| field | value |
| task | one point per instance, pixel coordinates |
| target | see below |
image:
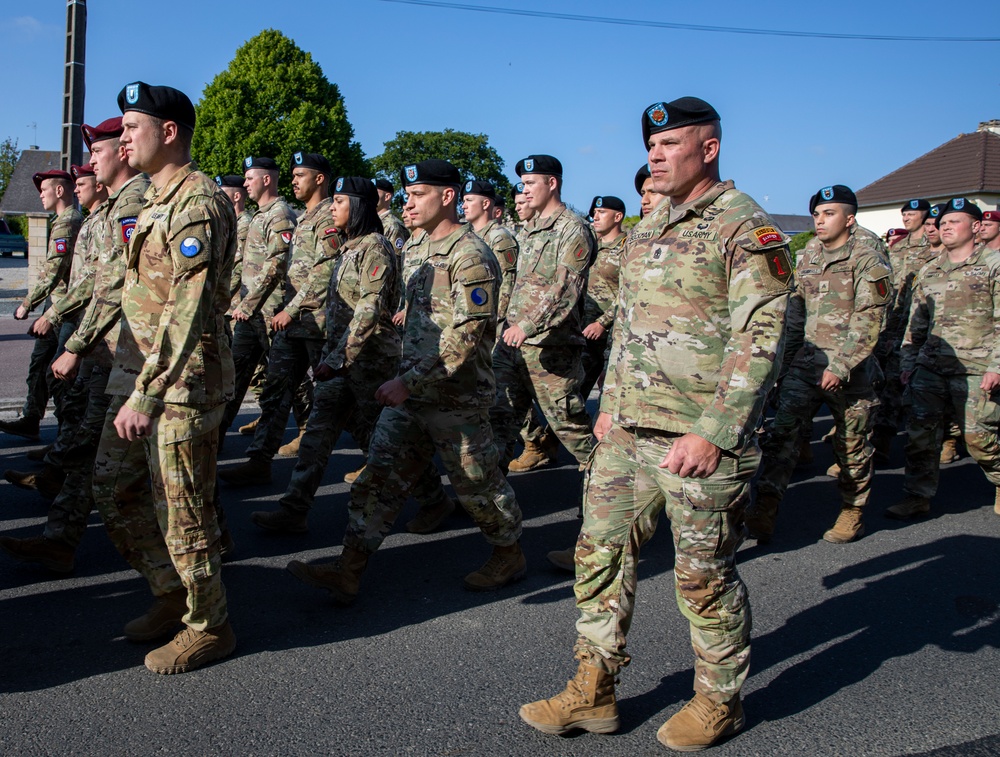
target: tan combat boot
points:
(47, 481)
(761, 517)
(281, 520)
(430, 517)
(350, 478)
(833, 471)
(587, 703)
(342, 577)
(292, 448)
(537, 455)
(949, 451)
(849, 527)
(191, 649)
(55, 555)
(701, 723)
(38, 455)
(564, 559)
(996, 502)
(254, 472)
(160, 619)
(26, 428)
(250, 428)
(506, 565)
(910, 506)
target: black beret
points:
(482, 188)
(916, 205)
(935, 210)
(517, 189)
(640, 177)
(684, 111)
(77, 171)
(542, 164)
(606, 201)
(109, 129)
(435, 172)
(268, 164)
(160, 102)
(312, 160)
(356, 186)
(961, 205)
(230, 180)
(38, 178)
(837, 193)
(384, 185)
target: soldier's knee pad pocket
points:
(706, 495)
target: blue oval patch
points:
(190, 247)
(479, 296)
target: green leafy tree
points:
(9, 155)
(471, 154)
(798, 242)
(274, 100)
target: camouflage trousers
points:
(934, 398)
(68, 513)
(346, 402)
(888, 416)
(852, 408)
(625, 491)
(402, 445)
(288, 365)
(161, 491)
(74, 396)
(250, 346)
(551, 376)
(594, 360)
(42, 384)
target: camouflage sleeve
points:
(279, 235)
(76, 299)
(473, 297)
(554, 305)
(236, 280)
(994, 366)
(58, 258)
(505, 248)
(312, 294)
(760, 280)
(191, 301)
(872, 294)
(916, 330)
(608, 390)
(376, 274)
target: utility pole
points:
(74, 92)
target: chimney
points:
(990, 126)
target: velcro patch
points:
(62, 245)
(377, 272)
(479, 296)
(128, 226)
(510, 256)
(286, 237)
(190, 246)
(767, 235)
(775, 269)
(399, 243)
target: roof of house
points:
(21, 196)
(968, 164)
(793, 224)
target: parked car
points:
(10, 242)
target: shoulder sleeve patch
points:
(479, 286)
(191, 239)
(879, 279)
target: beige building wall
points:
(38, 244)
(881, 218)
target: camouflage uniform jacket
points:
(907, 257)
(174, 346)
(602, 283)
(310, 268)
(698, 330)
(54, 276)
(362, 300)
(451, 306)
(236, 280)
(81, 273)
(551, 278)
(265, 259)
(394, 231)
(97, 332)
(505, 248)
(954, 326)
(835, 315)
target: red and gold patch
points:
(767, 235)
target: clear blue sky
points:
(797, 113)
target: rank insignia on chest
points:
(190, 247)
(658, 253)
(824, 287)
(128, 226)
(479, 296)
(61, 246)
(286, 237)
(767, 235)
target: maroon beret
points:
(109, 129)
(991, 215)
(84, 170)
(38, 178)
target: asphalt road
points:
(884, 647)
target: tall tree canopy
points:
(273, 100)
(471, 154)
(9, 155)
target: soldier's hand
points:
(64, 367)
(828, 382)
(323, 372)
(990, 382)
(239, 315)
(132, 425)
(392, 393)
(904, 377)
(692, 457)
(281, 321)
(40, 327)
(398, 319)
(514, 336)
(21, 313)
(602, 425)
(594, 331)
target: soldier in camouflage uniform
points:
(989, 232)
(704, 285)
(263, 268)
(602, 287)
(394, 229)
(232, 186)
(833, 324)
(301, 320)
(478, 201)
(649, 198)
(173, 374)
(951, 358)
(89, 356)
(441, 398)
(539, 356)
(56, 191)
